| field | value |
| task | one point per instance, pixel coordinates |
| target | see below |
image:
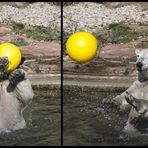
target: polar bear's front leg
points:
(140, 105)
(20, 84)
(121, 102)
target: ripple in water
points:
(43, 124)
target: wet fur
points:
(135, 98)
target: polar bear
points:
(15, 94)
(135, 98)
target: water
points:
(43, 124)
(86, 125)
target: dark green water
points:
(44, 121)
(85, 125)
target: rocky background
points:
(90, 16)
(120, 28)
(35, 29)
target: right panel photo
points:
(105, 73)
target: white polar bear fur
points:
(139, 90)
(12, 104)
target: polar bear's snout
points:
(139, 65)
(142, 61)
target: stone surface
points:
(33, 14)
(45, 57)
(89, 16)
(41, 57)
(47, 49)
(4, 30)
(113, 59)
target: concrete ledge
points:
(54, 80)
(45, 79)
(97, 81)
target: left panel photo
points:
(30, 72)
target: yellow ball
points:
(13, 53)
(81, 47)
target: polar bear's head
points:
(142, 63)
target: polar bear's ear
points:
(137, 51)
